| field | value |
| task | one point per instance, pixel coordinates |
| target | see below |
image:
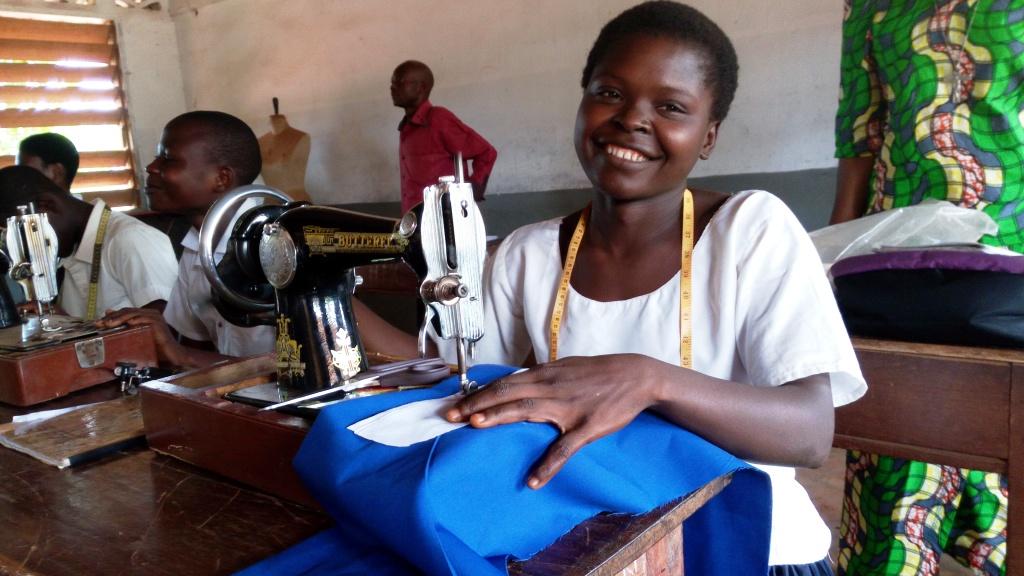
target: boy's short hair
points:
(683, 23)
(52, 148)
(20, 185)
(229, 141)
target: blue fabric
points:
(458, 504)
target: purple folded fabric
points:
(929, 259)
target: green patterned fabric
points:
(931, 136)
(899, 515)
(934, 91)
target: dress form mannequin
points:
(285, 153)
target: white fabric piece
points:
(763, 314)
(190, 309)
(409, 424)
(137, 266)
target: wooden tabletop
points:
(135, 512)
(956, 405)
(139, 512)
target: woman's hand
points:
(585, 398)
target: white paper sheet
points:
(23, 422)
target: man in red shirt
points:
(431, 136)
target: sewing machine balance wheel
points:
(217, 218)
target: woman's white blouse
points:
(763, 313)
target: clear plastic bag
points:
(931, 223)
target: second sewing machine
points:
(44, 355)
(293, 265)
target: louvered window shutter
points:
(58, 76)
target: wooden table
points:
(138, 512)
(954, 405)
(134, 512)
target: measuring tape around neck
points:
(685, 283)
(94, 269)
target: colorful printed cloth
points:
(933, 90)
(899, 515)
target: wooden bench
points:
(955, 405)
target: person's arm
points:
(588, 398)
(379, 336)
(789, 338)
(851, 188)
(142, 260)
(479, 189)
(860, 114)
(169, 351)
(505, 339)
(458, 137)
(158, 305)
(483, 163)
(178, 333)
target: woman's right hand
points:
(584, 398)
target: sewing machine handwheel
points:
(209, 236)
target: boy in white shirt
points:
(53, 155)
(202, 155)
(136, 263)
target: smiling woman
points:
(63, 76)
(645, 118)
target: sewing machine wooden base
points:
(35, 376)
(186, 416)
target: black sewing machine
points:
(292, 265)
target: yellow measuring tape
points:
(685, 283)
(94, 269)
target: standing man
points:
(53, 155)
(431, 136)
(930, 107)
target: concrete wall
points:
(808, 193)
(151, 67)
(510, 68)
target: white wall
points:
(509, 68)
(150, 67)
(152, 76)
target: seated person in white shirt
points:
(202, 155)
(53, 155)
(57, 158)
(137, 267)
